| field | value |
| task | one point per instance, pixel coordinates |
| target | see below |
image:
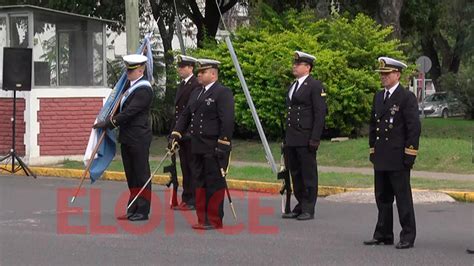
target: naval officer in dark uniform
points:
(188, 84)
(209, 116)
(304, 126)
(393, 139)
(135, 134)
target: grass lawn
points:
(446, 145)
(347, 179)
(452, 128)
(256, 173)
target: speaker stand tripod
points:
(12, 154)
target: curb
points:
(254, 186)
(460, 195)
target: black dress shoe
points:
(184, 207)
(470, 251)
(138, 217)
(178, 207)
(305, 216)
(404, 245)
(202, 227)
(206, 226)
(125, 216)
(217, 226)
(375, 242)
(290, 215)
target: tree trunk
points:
(389, 15)
(458, 50)
(210, 24)
(166, 28)
(427, 45)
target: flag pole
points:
(94, 152)
(248, 97)
(89, 163)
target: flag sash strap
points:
(141, 83)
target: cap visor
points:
(387, 70)
(204, 68)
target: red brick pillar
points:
(65, 124)
(6, 113)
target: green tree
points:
(207, 24)
(442, 29)
(346, 55)
(385, 12)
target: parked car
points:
(441, 104)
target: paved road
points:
(31, 231)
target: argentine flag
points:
(106, 152)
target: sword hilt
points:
(174, 147)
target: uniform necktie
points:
(295, 88)
(387, 95)
(200, 93)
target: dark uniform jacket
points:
(182, 97)
(394, 130)
(134, 118)
(306, 113)
(209, 119)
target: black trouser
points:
(137, 171)
(390, 184)
(210, 189)
(304, 174)
(185, 158)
